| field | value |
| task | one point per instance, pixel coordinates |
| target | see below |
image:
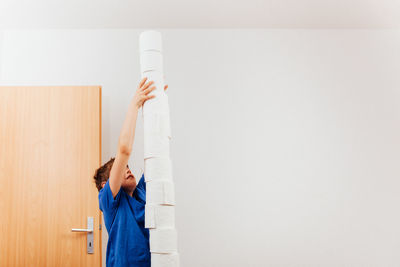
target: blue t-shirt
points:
(128, 240)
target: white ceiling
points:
(199, 14)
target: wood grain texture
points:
(50, 146)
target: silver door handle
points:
(81, 230)
(89, 231)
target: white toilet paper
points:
(157, 78)
(159, 216)
(150, 40)
(157, 123)
(160, 192)
(159, 104)
(151, 60)
(156, 146)
(160, 195)
(165, 260)
(157, 169)
(163, 240)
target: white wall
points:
(1, 49)
(285, 142)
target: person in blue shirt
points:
(121, 199)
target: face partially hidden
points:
(129, 182)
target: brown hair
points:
(103, 173)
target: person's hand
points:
(142, 92)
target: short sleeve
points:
(140, 190)
(142, 184)
(107, 203)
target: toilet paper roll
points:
(163, 240)
(160, 192)
(165, 260)
(156, 146)
(159, 216)
(158, 104)
(157, 169)
(156, 123)
(151, 60)
(158, 79)
(150, 40)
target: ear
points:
(103, 184)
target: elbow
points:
(124, 150)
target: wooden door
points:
(49, 149)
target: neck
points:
(129, 191)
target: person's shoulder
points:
(105, 188)
(107, 199)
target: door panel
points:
(50, 146)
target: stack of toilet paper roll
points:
(160, 195)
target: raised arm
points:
(127, 135)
